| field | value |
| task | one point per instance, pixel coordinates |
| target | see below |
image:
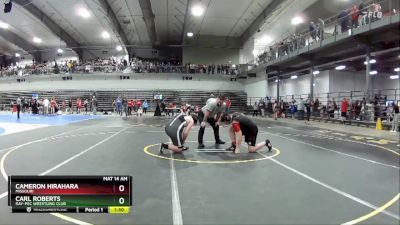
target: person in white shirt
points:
(46, 104)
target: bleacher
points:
(106, 97)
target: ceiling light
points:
(189, 34)
(371, 61)
(60, 50)
(119, 48)
(293, 77)
(37, 40)
(297, 20)
(276, 81)
(105, 35)
(315, 72)
(197, 10)
(17, 55)
(373, 72)
(4, 25)
(255, 52)
(397, 69)
(313, 84)
(266, 39)
(341, 67)
(83, 12)
(394, 77)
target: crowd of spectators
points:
(345, 109)
(49, 107)
(356, 16)
(110, 65)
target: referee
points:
(211, 113)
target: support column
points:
(311, 97)
(367, 75)
(277, 88)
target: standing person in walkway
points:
(300, 109)
(125, 106)
(53, 105)
(145, 106)
(139, 106)
(313, 31)
(119, 106)
(321, 29)
(228, 104)
(307, 106)
(211, 113)
(276, 109)
(396, 118)
(19, 102)
(70, 108)
(343, 109)
(78, 106)
(86, 105)
(255, 109)
(94, 105)
(46, 104)
(343, 20)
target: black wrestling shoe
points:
(201, 145)
(219, 142)
(268, 144)
(184, 148)
(162, 147)
(231, 149)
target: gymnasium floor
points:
(313, 176)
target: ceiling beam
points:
(148, 17)
(22, 43)
(115, 23)
(260, 20)
(51, 25)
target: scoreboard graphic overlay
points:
(70, 194)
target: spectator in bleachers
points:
(321, 28)
(343, 20)
(354, 16)
(313, 31)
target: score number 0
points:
(121, 200)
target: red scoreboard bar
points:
(76, 194)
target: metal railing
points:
(371, 110)
(93, 68)
(328, 28)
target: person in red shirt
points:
(134, 105)
(228, 104)
(53, 105)
(138, 103)
(130, 107)
(343, 109)
(243, 126)
(78, 106)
